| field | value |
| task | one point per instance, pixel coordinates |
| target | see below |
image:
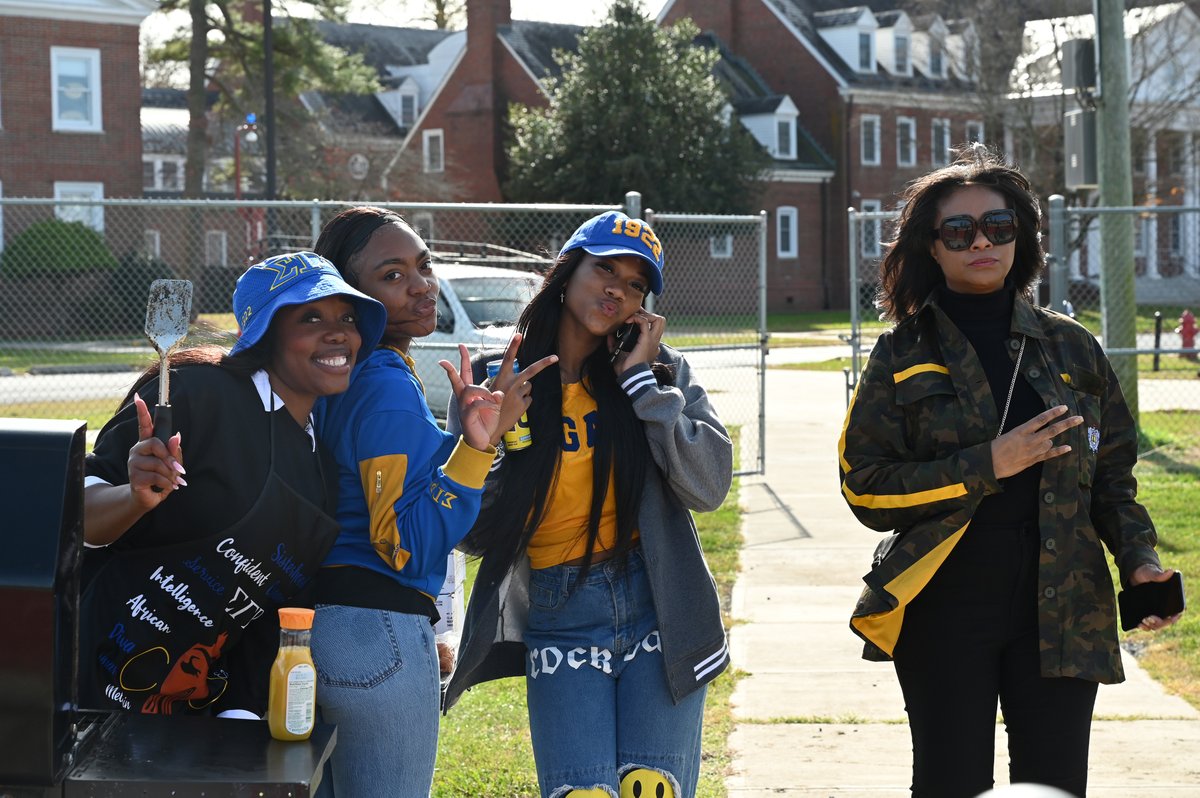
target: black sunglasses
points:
(958, 232)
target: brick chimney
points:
(479, 109)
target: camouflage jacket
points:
(915, 459)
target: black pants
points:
(969, 638)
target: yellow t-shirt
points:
(562, 535)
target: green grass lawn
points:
(1169, 486)
(484, 747)
(1090, 317)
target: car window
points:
(445, 316)
(491, 301)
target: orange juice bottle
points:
(292, 705)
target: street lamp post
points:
(250, 130)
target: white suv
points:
(477, 306)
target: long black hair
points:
(345, 235)
(527, 479)
(909, 273)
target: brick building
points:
(884, 93)
(70, 94)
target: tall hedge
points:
(54, 247)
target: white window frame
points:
(906, 158)
(785, 148)
(939, 148)
(903, 67)
(422, 222)
(869, 229)
(978, 131)
(427, 139)
(152, 243)
(865, 37)
(720, 247)
(937, 56)
(786, 218)
(416, 108)
(872, 158)
(1139, 236)
(159, 161)
(92, 57)
(92, 216)
(216, 242)
(1174, 233)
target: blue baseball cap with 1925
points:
(298, 278)
(614, 233)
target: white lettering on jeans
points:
(547, 660)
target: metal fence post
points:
(1058, 253)
(764, 338)
(632, 200)
(314, 221)
(855, 297)
(633, 204)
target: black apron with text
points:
(157, 623)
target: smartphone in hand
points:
(1163, 599)
(627, 337)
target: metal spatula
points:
(168, 311)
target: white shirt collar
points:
(262, 382)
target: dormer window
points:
(866, 54)
(937, 62)
(408, 107)
(785, 141)
(902, 65)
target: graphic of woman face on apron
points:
(157, 621)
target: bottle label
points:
(301, 699)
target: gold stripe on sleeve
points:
(891, 501)
(920, 368)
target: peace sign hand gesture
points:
(487, 412)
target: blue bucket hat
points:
(295, 279)
(614, 233)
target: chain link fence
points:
(74, 278)
(1143, 316)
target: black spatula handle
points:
(162, 428)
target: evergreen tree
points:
(637, 108)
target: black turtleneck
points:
(986, 321)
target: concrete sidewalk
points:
(813, 718)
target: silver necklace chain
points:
(1011, 386)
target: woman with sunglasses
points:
(992, 437)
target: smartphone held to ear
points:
(627, 337)
(1162, 599)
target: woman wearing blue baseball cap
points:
(593, 584)
(183, 574)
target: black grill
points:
(48, 747)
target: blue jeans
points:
(378, 680)
(600, 711)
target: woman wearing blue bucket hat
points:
(183, 574)
(593, 585)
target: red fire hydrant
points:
(1187, 332)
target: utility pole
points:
(1116, 190)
